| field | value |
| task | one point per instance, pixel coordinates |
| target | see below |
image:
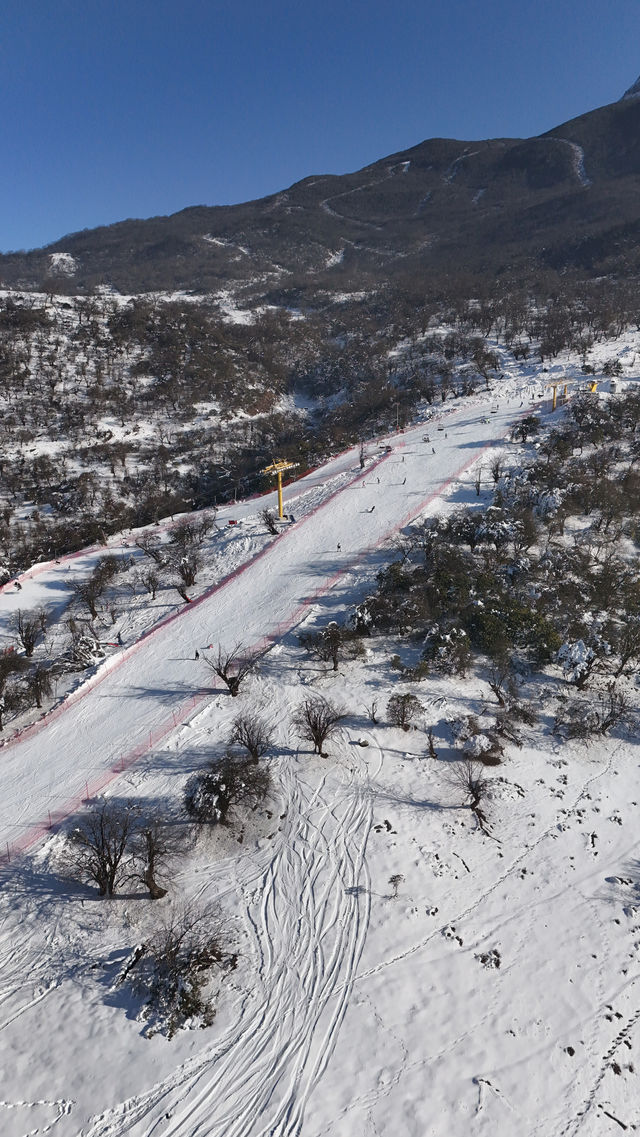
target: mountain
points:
(633, 91)
(568, 199)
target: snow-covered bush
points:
(447, 651)
(580, 719)
(84, 651)
(402, 709)
(578, 659)
(173, 971)
(231, 781)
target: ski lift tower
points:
(278, 468)
(564, 383)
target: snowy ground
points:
(495, 994)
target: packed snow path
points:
(307, 910)
(139, 695)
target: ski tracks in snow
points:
(307, 913)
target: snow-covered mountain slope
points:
(398, 970)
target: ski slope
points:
(496, 994)
(154, 682)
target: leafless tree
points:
(30, 626)
(100, 843)
(372, 711)
(469, 776)
(431, 744)
(496, 467)
(332, 643)
(40, 683)
(232, 665)
(155, 552)
(88, 592)
(253, 733)
(156, 844)
(10, 664)
(501, 680)
(269, 518)
(151, 581)
(316, 719)
(188, 567)
(395, 881)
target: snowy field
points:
(399, 972)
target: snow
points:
(578, 162)
(334, 258)
(63, 263)
(398, 971)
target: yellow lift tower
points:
(554, 387)
(278, 468)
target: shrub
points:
(447, 651)
(173, 970)
(210, 795)
(403, 709)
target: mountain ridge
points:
(491, 205)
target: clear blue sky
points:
(130, 108)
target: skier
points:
(339, 546)
(120, 638)
(18, 586)
(433, 449)
(404, 482)
(197, 655)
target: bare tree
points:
(470, 778)
(40, 683)
(188, 567)
(10, 664)
(156, 844)
(30, 626)
(332, 643)
(433, 753)
(151, 581)
(269, 518)
(146, 545)
(232, 665)
(88, 592)
(395, 881)
(100, 843)
(501, 680)
(496, 467)
(253, 733)
(316, 719)
(372, 711)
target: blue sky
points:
(131, 108)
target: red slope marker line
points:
(116, 661)
(163, 526)
(98, 785)
(39, 831)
